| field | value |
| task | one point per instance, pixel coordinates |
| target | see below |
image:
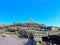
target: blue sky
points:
(41, 11)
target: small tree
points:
(23, 33)
(11, 30)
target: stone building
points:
(2, 28)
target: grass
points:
(9, 33)
(39, 43)
(39, 32)
(57, 34)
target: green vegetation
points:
(1, 32)
(10, 33)
(39, 43)
(22, 33)
(58, 34)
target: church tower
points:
(31, 20)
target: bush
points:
(39, 41)
(23, 33)
(11, 30)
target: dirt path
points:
(12, 40)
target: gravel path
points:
(12, 40)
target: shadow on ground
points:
(30, 42)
